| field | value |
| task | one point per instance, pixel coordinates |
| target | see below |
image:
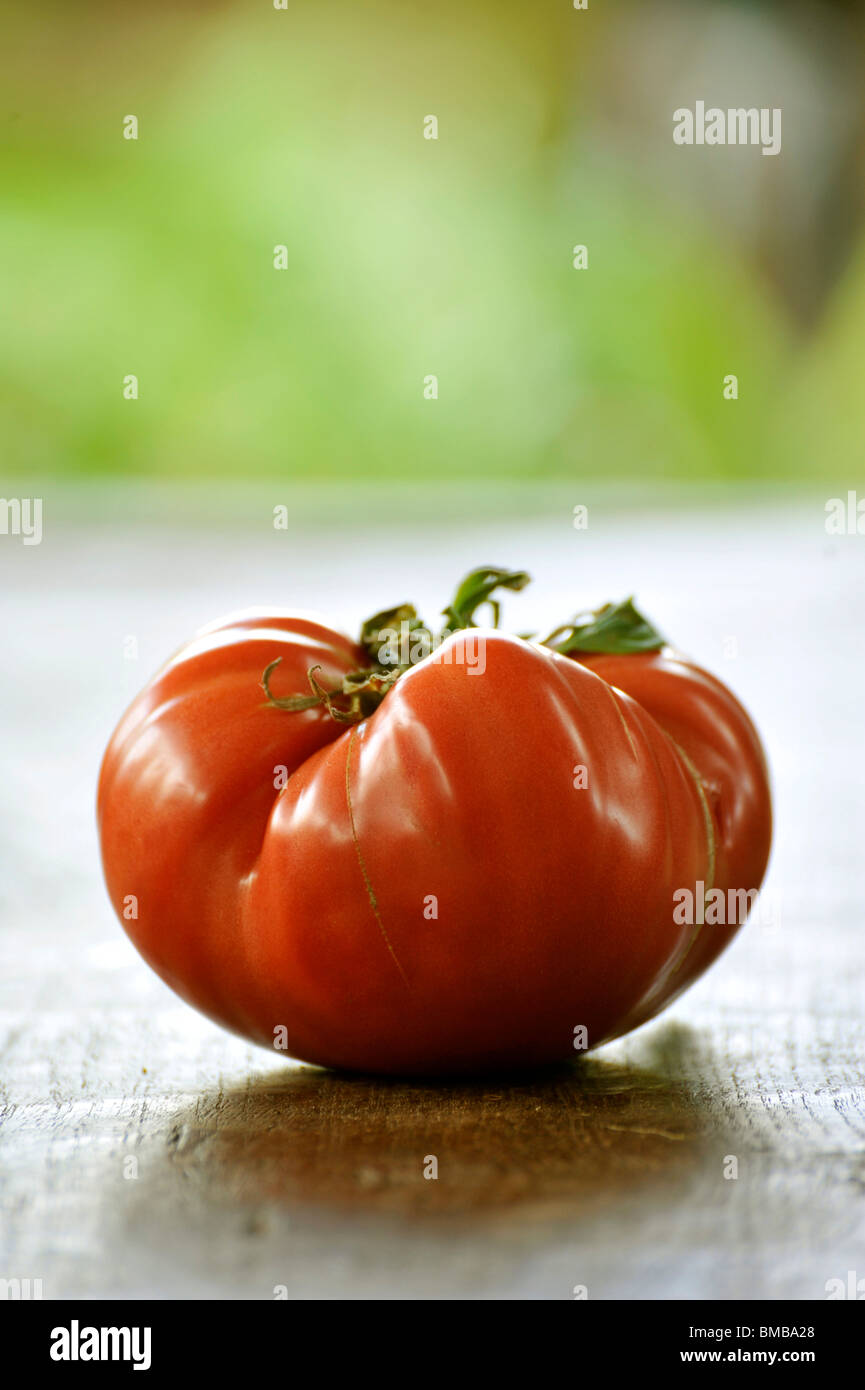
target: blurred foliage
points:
(406, 257)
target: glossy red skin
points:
(300, 916)
(716, 734)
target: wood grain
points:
(251, 1175)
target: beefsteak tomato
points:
(442, 856)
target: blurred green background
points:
(408, 257)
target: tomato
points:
(461, 861)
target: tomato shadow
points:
(562, 1140)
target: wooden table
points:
(145, 1153)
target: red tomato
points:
(433, 889)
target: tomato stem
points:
(361, 692)
(396, 639)
(477, 589)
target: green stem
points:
(477, 589)
(395, 639)
(359, 695)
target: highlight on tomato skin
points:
(435, 849)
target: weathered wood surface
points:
(250, 1174)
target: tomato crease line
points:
(621, 715)
(373, 902)
(710, 846)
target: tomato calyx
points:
(396, 639)
(359, 695)
(398, 632)
(614, 628)
(477, 589)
